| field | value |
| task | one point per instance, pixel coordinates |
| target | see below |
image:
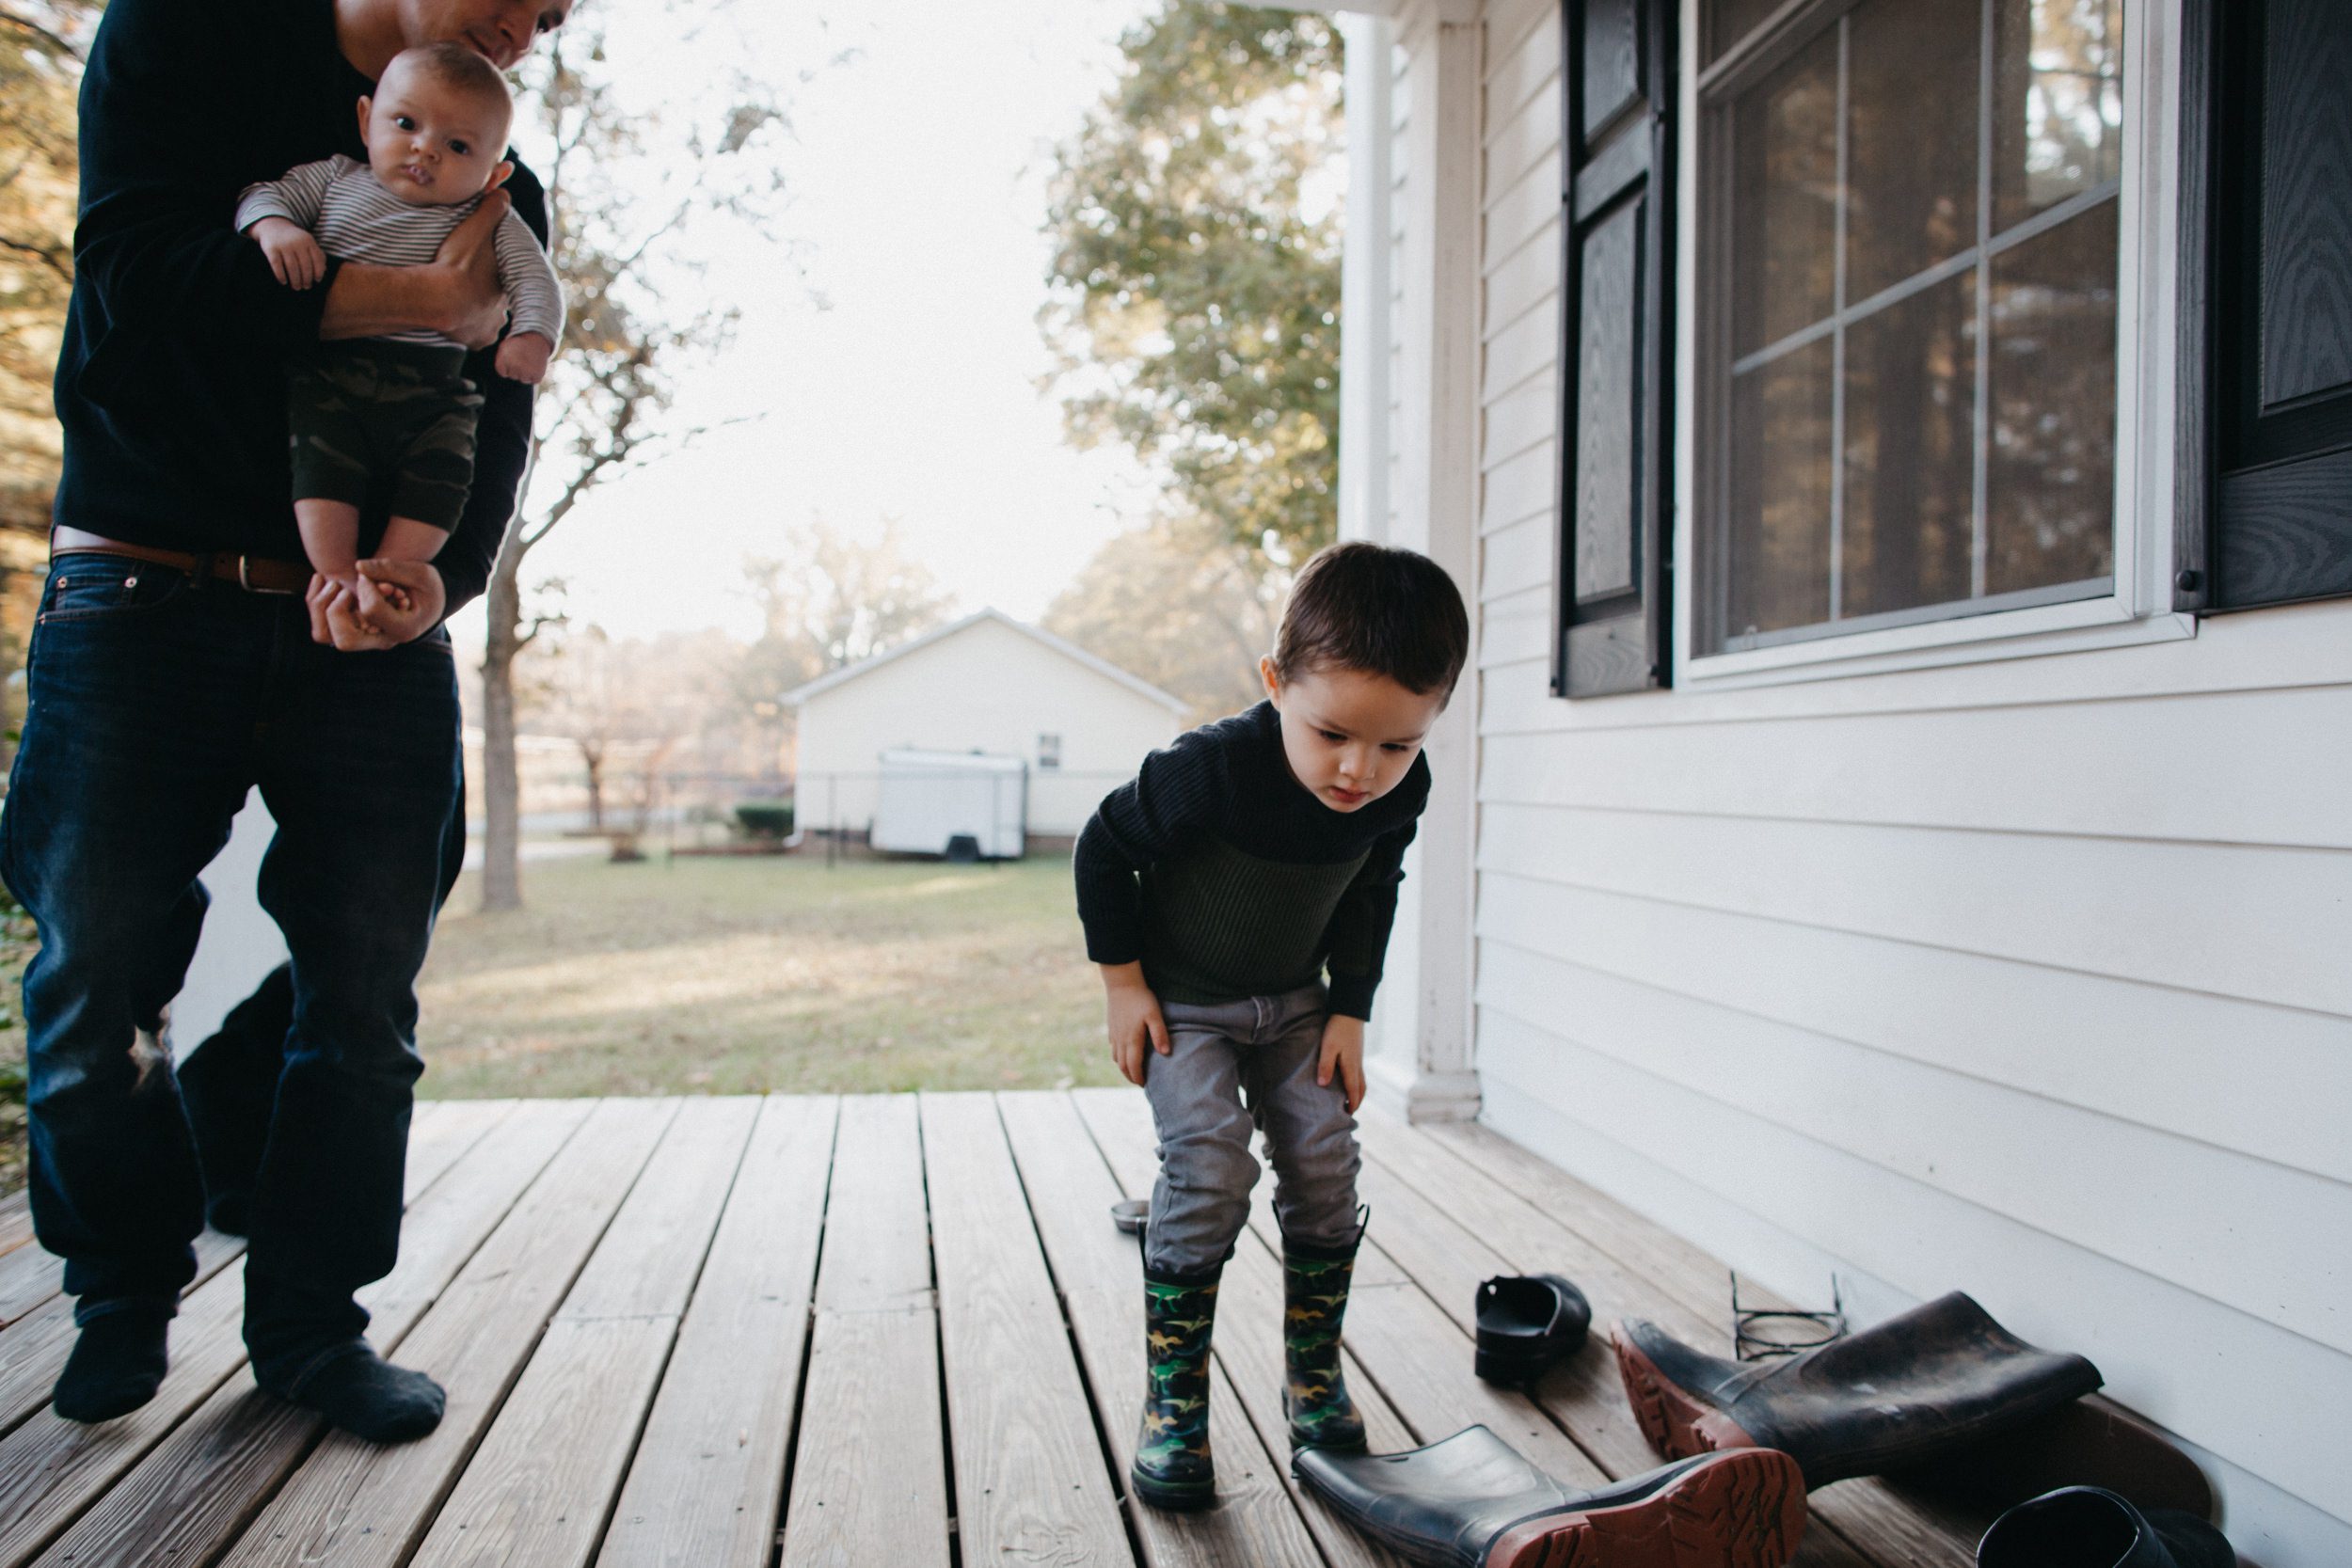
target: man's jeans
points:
(155, 702)
(1228, 1067)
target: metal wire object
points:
(1758, 1333)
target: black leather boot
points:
(1902, 1393)
(1473, 1501)
(1173, 1467)
(2089, 1526)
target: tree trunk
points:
(592, 758)
(502, 790)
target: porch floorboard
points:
(813, 1331)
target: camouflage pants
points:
(384, 418)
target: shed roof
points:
(849, 672)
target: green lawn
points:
(734, 976)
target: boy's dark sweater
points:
(1228, 879)
(171, 382)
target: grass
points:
(746, 974)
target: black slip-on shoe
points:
(1473, 1501)
(2090, 1526)
(1527, 1324)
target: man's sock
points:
(117, 1364)
(363, 1394)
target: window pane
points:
(1729, 20)
(1778, 555)
(2057, 102)
(2050, 490)
(1784, 225)
(1912, 97)
(1911, 396)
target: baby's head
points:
(437, 125)
(1371, 645)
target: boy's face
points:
(1350, 735)
(430, 145)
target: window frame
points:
(2139, 608)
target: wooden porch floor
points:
(891, 1330)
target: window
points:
(1048, 754)
(1908, 314)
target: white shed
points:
(987, 683)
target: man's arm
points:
(502, 441)
(157, 194)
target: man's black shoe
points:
(118, 1362)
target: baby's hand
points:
(376, 594)
(293, 255)
(524, 357)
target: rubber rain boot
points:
(1173, 1468)
(1473, 1501)
(1315, 1284)
(1901, 1393)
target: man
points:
(176, 663)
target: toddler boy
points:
(1216, 889)
(400, 404)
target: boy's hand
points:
(294, 254)
(524, 357)
(1344, 1050)
(1132, 1014)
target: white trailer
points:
(965, 806)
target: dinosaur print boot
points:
(1314, 1295)
(1172, 1467)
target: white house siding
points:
(2030, 978)
(989, 687)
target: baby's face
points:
(430, 145)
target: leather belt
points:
(255, 573)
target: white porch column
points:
(1421, 1053)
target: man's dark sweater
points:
(1228, 879)
(171, 385)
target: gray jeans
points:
(1231, 1066)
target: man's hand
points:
(391, 602)
(294, 252)
(1132, 1014)
(469, 259)
(524, 357)
(1343, 1050)
(401, 599)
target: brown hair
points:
(1385, 611)
(460, 70)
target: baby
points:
(399, 404)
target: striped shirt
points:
(344, 206)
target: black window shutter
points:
(2280, 303)
(1617, 348)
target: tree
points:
(1180, 603)
(627, 185)
(42, 45)
(831, 599)
(1196, 277)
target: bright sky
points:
(918, 167)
